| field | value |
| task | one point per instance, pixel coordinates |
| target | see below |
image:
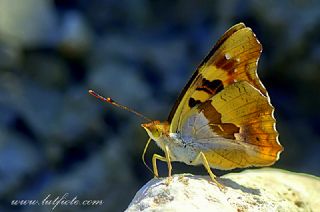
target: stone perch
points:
(251, 190)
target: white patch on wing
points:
(196, 131)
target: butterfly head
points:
(156, 129)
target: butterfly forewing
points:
(189, 88)
(233, 58)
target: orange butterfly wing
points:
(248, 116)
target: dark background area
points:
(56, 139)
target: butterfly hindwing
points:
(234, 128)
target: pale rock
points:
(252, 190)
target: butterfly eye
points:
(156, 133)
(152, 129)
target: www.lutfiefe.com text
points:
(57, 201)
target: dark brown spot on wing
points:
(220, 61)
(205, 89)
(210, 112)
(225, 63)
(226, 130)
(229, 65)
(192, 102)
(211, 87)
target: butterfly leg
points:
(164, 159)
(205, 163)
(168, 160)
(156, 157)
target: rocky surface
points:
(251, 190)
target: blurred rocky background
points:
(56, 139)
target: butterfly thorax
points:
(179, 150)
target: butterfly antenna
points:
(111, 101)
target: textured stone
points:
(253, 190)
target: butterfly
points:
(223, 118)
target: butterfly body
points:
(179, 149)
(223, 118)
